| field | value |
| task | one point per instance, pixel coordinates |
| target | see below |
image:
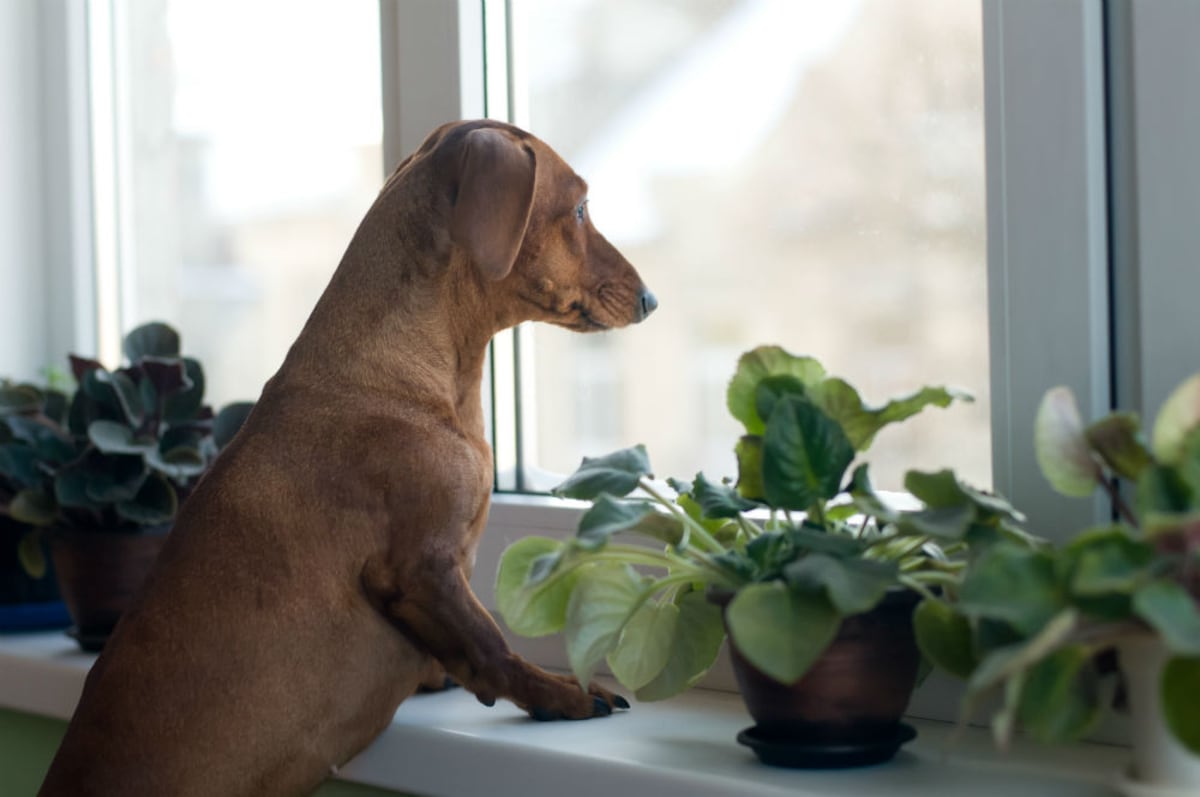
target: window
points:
(798, 173)
(1089, 177)
(247, 144)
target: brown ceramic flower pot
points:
(98, 574)
(847, 708)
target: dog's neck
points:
(390, 322)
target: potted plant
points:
(1040, 626)
(809, 571)
(29, 597)
(102, 473)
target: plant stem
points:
(916, 586)
(749, 527)
(693, 526)
(1110, 487)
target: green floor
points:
(27, 743)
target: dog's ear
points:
(495, 194)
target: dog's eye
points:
(581, 210)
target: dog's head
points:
(519, 215)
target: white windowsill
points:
(448, 744)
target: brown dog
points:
(319, 572)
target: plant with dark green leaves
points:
(119, 453)
(1038, 626)
(800, 541)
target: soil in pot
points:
(98, 573)
(846, 710)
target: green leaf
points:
(154, 339)
(124, 394)
(112, 437)
(851, 585)
(936, 489)
(696, 640)
(944, 637)
(1178, 416)
(1106, 561)
(115, 478)
(30, 554)
(532, 609)
(1117, 438)
(55, 406)
(781, 631)
(33, 507)
(805, 455)
(867, 500)
(905, 407)
(605, 598)
(1162, 490)
(1060, 698)
(771, 389)
(838, 399)
(1005, 662)
(718, 500)
(749, 452)
(70, 487)
(48, 443)
(617, 474)
(1180, 685)
(1013, 584)
(1061, 446)
(154, 503)
(166, 375)
(609, 516)
(185, 404)
(1171, 611)
(1161, 526)
(181, 463)
(944, 522)
(688, 504)
(819, 540)
(645, 644)
(229, 421)
(19, 463)
(752, 368)
(20, 399)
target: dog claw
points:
(487, 701)
(620, 702)
(543, 714)
(600, 707)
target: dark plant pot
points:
(26, 603)
(99, 572)
(847, 708)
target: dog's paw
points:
(596, 702)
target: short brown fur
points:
(319, 572)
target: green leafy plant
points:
(118, 453)
(800, 541)
(1039, 625)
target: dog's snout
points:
(646, 304)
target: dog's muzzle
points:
(646, 305)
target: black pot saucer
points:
(803, 754)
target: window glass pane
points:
(250, 146)
(796, 172)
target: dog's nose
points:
(647, 304)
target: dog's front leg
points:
(436, 609)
